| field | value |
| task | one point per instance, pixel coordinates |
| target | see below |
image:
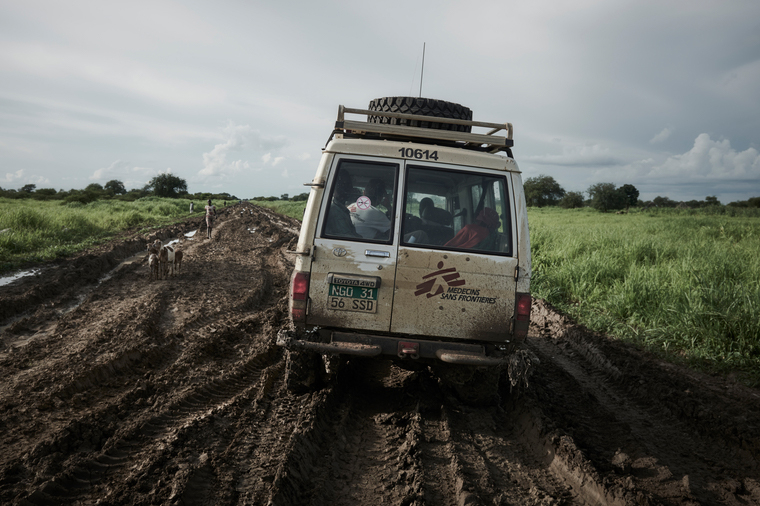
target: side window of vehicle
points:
(457, 210)
(362, 199)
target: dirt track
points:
(121, 390)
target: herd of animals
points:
(163, 259)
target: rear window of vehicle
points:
(456, 210)
(362, 199)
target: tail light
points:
(299, 296)
(522, 315)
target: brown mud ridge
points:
(120, 390)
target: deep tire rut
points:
(115, 389)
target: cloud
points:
(10, 177)
(237, 137)
(20, 177)
(709, 159)
(662, 136)
(113, 171)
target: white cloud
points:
(266, 157)
(10, 177)
(277, 160)
(237, 137)
(709, 159)
(662, 136)
(284, 173)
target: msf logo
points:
(432, 286)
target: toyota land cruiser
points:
(414, 246)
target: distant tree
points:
(605, 197)
(45, 194)
(542, 191)
(284, 196)
(631, 194)
(166, 185)
(115, 187)
(664, 202)
(94, 187)
(28, 188)
(712, 201)
(300, 197)
(572, 200)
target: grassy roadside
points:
(685, 285)
(39, 231)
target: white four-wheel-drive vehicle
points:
(414, 246)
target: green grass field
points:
(38, 231)
(684, 284)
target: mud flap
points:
(520, 367)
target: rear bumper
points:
(367, 345)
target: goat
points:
(177, 260)
(153, 265)
(166, 258)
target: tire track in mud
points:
(642, 448)
(173, 392)
(402, 439)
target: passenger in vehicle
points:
(473, 234)
(370, 222)
(339, 217)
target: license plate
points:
(352, 298)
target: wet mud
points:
(116, 389)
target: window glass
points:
(448, 209)
(362, 197)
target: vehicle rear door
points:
(355, 248)
(455, 274)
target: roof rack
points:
(479, 142)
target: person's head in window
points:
(375, 190)
(425, 204)
(488, 218)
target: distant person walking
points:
(210, 215)
(191, 206)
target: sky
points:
(241, 96)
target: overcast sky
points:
(240, 96)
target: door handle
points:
(375, 253)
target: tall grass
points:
(681, 283)
(34, 231)
(292, 209)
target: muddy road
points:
(115, 389)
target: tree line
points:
(163, 185)
(542, 191)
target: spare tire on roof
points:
(421, 106)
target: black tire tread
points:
(421, 106)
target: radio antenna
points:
(422, 70)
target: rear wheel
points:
(421, 106)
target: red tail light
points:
(300, 287)
(522, 316)
(299, 296)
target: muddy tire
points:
(303, 371)
(476, 386)
(424, 107)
